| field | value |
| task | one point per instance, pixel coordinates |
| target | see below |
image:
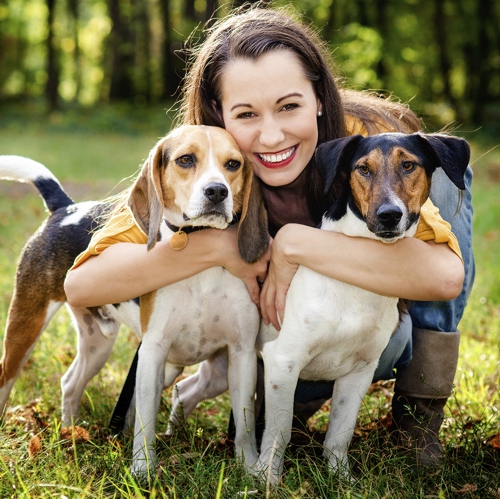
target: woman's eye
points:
(186, 160)
(245, 116)
(232, 165)
(408, 166)
(289, 107)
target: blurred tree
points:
(120, 47)
(170, 80)
(73, 14)
(53, 76)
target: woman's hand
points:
(280, 274)
(252, 274)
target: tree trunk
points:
(170, 79)
(51, 88)
(74, 15)
(121, 85)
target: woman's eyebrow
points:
(292, 94)
(240, 105)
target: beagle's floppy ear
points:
(145, 198)
(253, 234)
(452, 154)
(330, 155)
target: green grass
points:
(91, 154)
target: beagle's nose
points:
(389, 215)
(215, 192)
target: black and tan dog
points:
(195, 177)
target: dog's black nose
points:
(389, 215)
(216, 192)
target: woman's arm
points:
(127, 270)
(409, 268)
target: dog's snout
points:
(216, 192)
(389, 215)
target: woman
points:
(265, 78)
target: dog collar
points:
(179, 238)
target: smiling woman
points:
(276, 129)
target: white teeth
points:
(276, 158)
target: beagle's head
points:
(196, 176)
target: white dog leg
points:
(149, 385)
(242, 379)
(93, 350)
(348, 393)
(281, 376)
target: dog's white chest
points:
(339, 328)
(197, 316)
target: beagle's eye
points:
(232, 165)
(408, 166)
(364, 170)
(186, 161)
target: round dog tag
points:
(178, 240)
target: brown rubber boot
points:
(421, 392)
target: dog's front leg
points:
(242, 379)
(281, 374)
(149, 385)
(348, 393)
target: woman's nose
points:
(271, 133)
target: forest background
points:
(443, 56)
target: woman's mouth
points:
(279, 159)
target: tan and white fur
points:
(198, 178)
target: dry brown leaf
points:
(468, 487)
(76, 433)
(35, 446)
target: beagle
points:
(194, 178)
(332, 330)
(39, 288)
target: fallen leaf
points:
(76, 433)
(35, 446)
(468, 487)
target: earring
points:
(320, 113)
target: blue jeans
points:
(435, 315)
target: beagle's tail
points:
(23, 169)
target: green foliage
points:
(442, 56)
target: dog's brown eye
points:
(408, 166)
(364, 170)
(186, 161)
(232, 165)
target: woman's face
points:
(270, 108)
